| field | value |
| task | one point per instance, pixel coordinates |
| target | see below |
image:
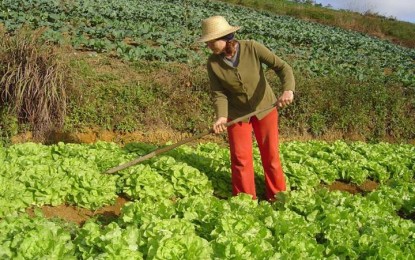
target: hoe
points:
(187, 140)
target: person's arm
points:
(220, 102)
(282, 69)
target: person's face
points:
(217, 46)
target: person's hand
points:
(286, 98)
(219, 125)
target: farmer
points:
(239, 87)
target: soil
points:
(88, 136)
(160, 136)
(364, 188)
(109, 213)
(80, 215)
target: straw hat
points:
(215, 27)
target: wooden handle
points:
(171, 147)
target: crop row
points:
(166, 30)
(39, 174)
(180, 204)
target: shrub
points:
(34, 80)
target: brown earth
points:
(163, 135)
(159, 136)
(106, 214)
(88, 136)
(80, 215)
(367, 186)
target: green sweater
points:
(244, 89)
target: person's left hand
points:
(286, 98)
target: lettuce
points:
(110, 242)
(139, 183)
(24, 237)
(176, 211)
(174, 239)
(186, 180)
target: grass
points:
(135, 96)
(145, 96)
(125, 97)
(33, 82)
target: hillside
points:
(349, 84)
(398, 32)
(88, 87)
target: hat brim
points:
(213, 36)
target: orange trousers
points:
(241, 145)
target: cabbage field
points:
(166, 30)
(180, 207)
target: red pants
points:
(240, 142)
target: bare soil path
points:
(108, 213)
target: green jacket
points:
(244, 89)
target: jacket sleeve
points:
(283, 70)
(220, 100)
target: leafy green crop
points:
(175, 212)
(109, 242)
(166, 30)
(22, 237)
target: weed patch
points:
(34, 81)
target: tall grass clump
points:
(34, 81)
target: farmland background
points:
(126, 77)
(135, 70)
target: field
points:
(145, 32)
(347, 82)
(179, 205)
(136, 67)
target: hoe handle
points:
(187, 140)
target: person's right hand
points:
(219, 125)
